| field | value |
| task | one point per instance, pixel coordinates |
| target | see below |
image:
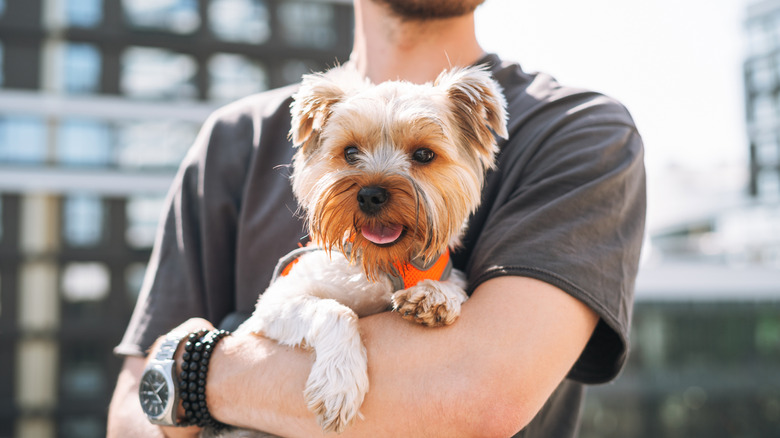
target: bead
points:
(195, 364)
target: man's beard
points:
(430, 9)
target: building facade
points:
(99, 101)
(762, 97)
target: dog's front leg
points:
(432, 303)
(338, 380)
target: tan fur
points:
(455, 117)
(317, 305)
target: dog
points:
(386, 177)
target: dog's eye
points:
(423, 155)
(351, 154)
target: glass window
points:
(763, 109)
(153, 144)
(149, 73)
(294, 69)
(234, 76)
(85, 281)
(22, 140)
(762, 75)
(75, 426)
(83, 372)
(83, 13)
(84, 142)
(82, 220)
(134, 278)
(1, 63)
(176, 16)
(759, 41)
(308, 24)
(767, 149)
(80, 68)
(768, 184)
(143, 213)
(244, 21)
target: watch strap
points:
(170, 344)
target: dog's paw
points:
(335, 390)
(430, 303)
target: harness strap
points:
(404, 275)
(409, 274)
(285, 264)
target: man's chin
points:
(430, 9)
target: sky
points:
(676, 65)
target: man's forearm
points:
(488, 374)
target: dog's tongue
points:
(382, 234)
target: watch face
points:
(153, 393)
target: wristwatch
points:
(158, 391)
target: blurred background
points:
(100, 99)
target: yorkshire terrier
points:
(386, 176)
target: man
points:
(551, 257)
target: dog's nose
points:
(372, 198)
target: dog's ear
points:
(313, 101)
(478, 106)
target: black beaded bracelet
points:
(192, 380)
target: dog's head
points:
(395, 169)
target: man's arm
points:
(488, 374)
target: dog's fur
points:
(352, 135)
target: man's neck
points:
(389, 48)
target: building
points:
(99, 100)
(762, 96)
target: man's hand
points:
(125, 417)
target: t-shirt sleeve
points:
(570, 211)
(191, 270)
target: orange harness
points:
(405, 275)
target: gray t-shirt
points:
(566, 205)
